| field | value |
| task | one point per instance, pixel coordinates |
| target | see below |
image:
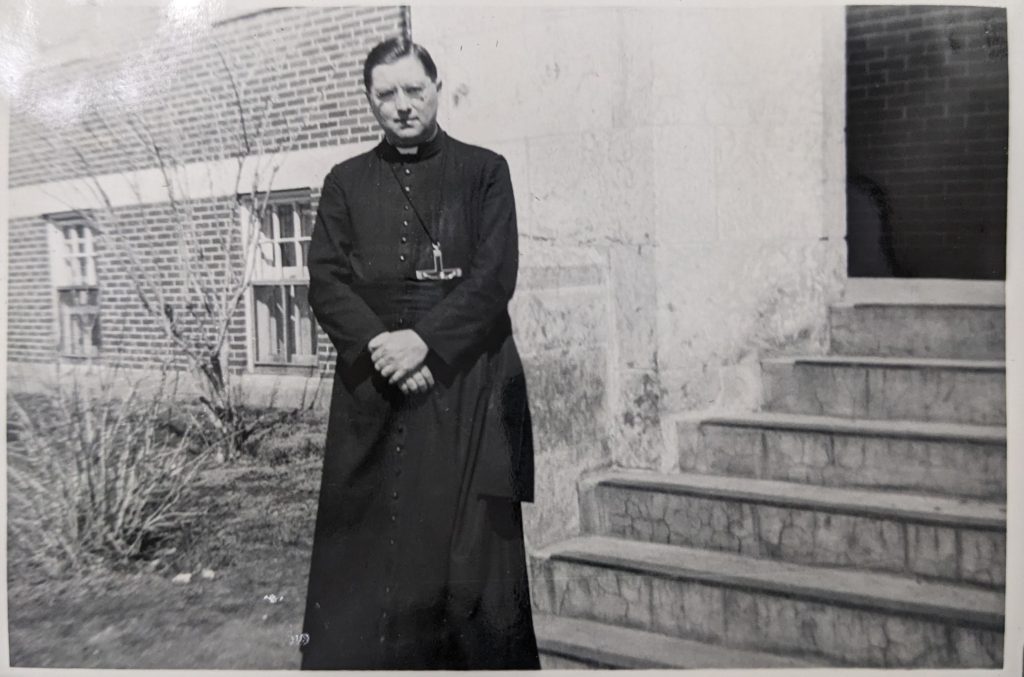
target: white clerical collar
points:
(412, 150)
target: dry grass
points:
(94, 474)
(255, 532)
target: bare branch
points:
(238, 100)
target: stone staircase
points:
(859, 519)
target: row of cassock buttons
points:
(405, 223)
(394, 517)
(401, 429)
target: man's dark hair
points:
(392, 50)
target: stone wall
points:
(696, 152)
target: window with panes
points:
(283, 329)
(73, 260)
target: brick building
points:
(760, 302)
(310, 89)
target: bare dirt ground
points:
(256, 537)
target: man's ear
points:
(439, 83)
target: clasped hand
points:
(398, 356)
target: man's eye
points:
(413, 91)
(386, 95)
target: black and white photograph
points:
(493, 337)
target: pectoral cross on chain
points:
(439, 272)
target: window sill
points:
(285, 369)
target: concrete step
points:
(937, 537)
(820, 613)
(899, 388)
(922, 457)
(921, 330)
(573, 643)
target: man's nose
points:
(402, 102)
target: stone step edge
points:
(917, 508)
(869, 361)
(919, 430)
(950, 305)
(875, 591)
(621, 647)
(929, 291)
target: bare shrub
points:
(95, 472)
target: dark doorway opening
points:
(927, 121)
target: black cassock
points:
(418, 558)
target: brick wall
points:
(30, 313)
(297, 73)
(130, 336)
(927, 124)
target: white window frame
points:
(268, 272)
(72, 245)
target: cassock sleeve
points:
(342, 313)
(460, 321)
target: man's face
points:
(404, 100)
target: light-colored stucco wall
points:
(697, 152)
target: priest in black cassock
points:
(418, 557)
